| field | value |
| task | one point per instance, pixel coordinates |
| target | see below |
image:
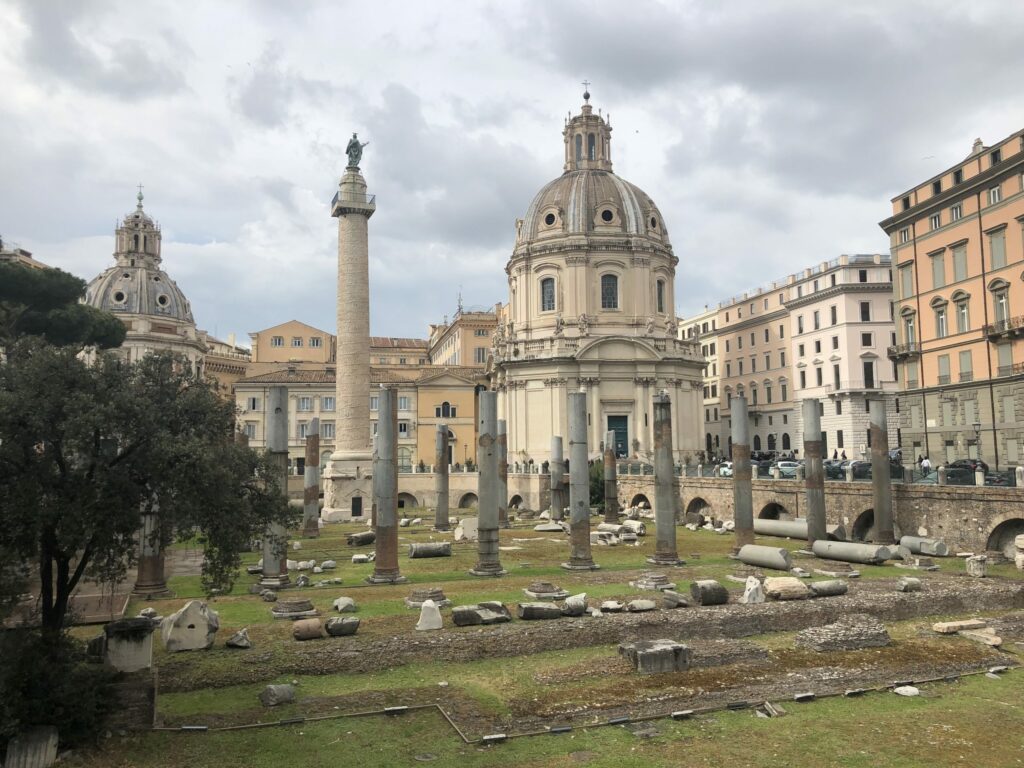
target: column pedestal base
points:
(384, 579)
(276, 582)
(665, 560)
(581, 566)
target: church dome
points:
(136, 284)
(592, 201)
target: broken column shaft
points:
(665, 552)
(502, 448)
(611, 484)
(814, 472)
(742, 493)
(881, 482)
(580, 557)
(489, 561)
(441, 522)
(311, 482)
(150, 580)
(275, 539)
(385, 491)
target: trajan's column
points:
(348, 492)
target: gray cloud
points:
(270, 94)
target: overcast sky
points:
(771, 134)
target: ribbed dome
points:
(592, 201)
(141, 290)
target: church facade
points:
(592, 308)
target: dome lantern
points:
(587, 140)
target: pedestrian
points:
(926, 466)
(920, 459)
(835, 454)
(844, 455)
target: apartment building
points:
(703, 328)
(840, 315)
(957, 246)
(465, 341)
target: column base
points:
(667, 560)
(276, 582)
(377, 579)
(581, 565)
(311, 531)
(484, 569)
(151, 591)
(441, 528)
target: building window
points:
(445, 411)
(277, 341)
(327, 403)
(956, 212)
(906, 202)
(803, 379)
(609, 292)
(327, 430)
(767, 393)
(960, 263)
(315, 342)
(1001, 303)
(659, 288)
(997, 249)
(799, 350)
(252, 404)
(839, 407)
(833, 314)
(944, 371)
(938, 270)
(865, 311)
(800, 324)
(374, 402)
(382, 360)
(817, 346)
(909, 329)
(782, 358)
(767, 361)
(905, 235)
(839, 438)
(766, 335)
(966, 367)
(817, 319)
(296, 341)
(739, 342)
(935, 220)
(782, 331)
(869, 374)
(403, 429)
(995, 156)
(963, 316)
(481, 332)
(753, 395)
(995, 194)
(866, 340)
(753, 365)
(305, 403)
(740, 367)
(819, 377)
(547, 294)
(302, 428)
(753, 340)
(403, 403)
(480, 355)
(835, 342)
(941, 329)
(906, 281)
(250, 430)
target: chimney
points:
(978, 147)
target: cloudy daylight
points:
(771, 135)
(367, 369)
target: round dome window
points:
(654, 223)
(126, 276)
(549, 219)
(156, 278)
(119, 297)
(162, 300)
(607, 215)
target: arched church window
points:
(547, 294)
(660, 292)
(757, 442)
(591, 147)
(135, 242)
(609, 292)
(143, 242)
(445, 410)
(785, 441)
(579, 147)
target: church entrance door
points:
(620, 426)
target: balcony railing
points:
(943, 378)
(353, 198)
(852, 386)
(966, 376)
(910, 349)
(1011, 326)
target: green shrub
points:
(49, 682)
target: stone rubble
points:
(192, 628)
(651, 657)
(430, 617)
(850, 633)
(489, 612)
(753, 592)
(340, 626)
(239, 640)
(273, 695)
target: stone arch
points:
(515, 502)
(640, 500)
(773, 510)
(407, 501)
(1002, 536)
(468, 501)
(697, 510)
(863, 526)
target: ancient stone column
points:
(556, 468)
(311, 482)
(742, 492)
(352, 455)
(611, 482)
(665, 552)
(150, 580)
(580, 557)
(385, 491)
(489, 562)
(441, 478)
(275, 537)
(881, 483)
(502, 448)
(814, 478)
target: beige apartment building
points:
(703, 328)
(12, 253)
(465, 341)
(819, 333)
(958, 250)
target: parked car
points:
(725, 469)
(954, 476)
(786, 468)
(972, 464)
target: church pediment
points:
(618, 349)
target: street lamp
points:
(977, 438)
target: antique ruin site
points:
(745, 684)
